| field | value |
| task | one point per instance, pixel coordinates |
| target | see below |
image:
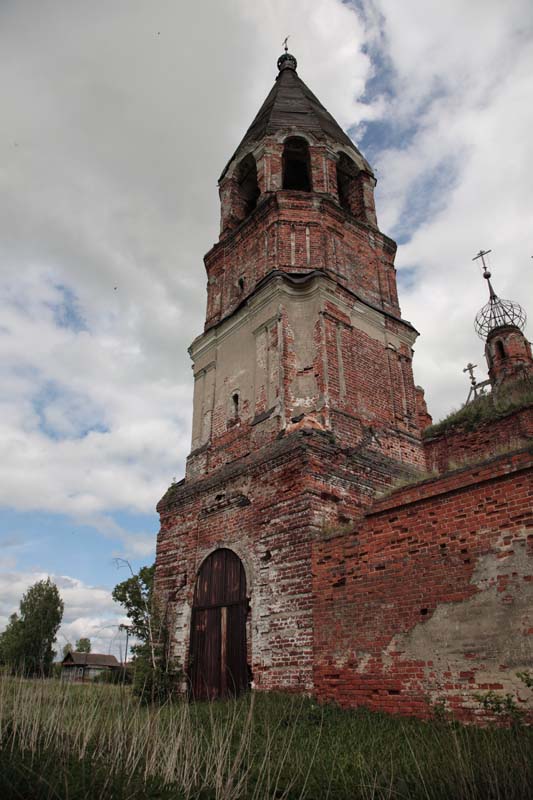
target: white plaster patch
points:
(486, 634)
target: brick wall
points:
(295, 232)
(267, 507)
(458, 445)
(430, 596)
(255, 509)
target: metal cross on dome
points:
(481, 255)
(486, 271)
(285, 45)
(497, 312)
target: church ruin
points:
(307, 549)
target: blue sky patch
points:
(67, 313)
(379, 135)
(79, 549)
(427, 195)
(407, 277)
(64, 414)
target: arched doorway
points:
(217, 658)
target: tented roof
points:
(291, 105)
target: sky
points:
(116, 121)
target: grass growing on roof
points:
(485, 408)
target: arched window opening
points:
(240, 284)
(346, 183)
(248, 186)
(217, 657)
(235, 402)
(500, 349)
(296, 165)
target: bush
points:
(116, 677)
(155, 684)
(156, 673)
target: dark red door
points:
(217, 659)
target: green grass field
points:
(68, 741)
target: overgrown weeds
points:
(485, 408)
(77, 742)
(407, 481)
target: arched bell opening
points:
(217, 657)
(348, 188)
(296, 165)
(500, 349)
(248, 185)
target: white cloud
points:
(117, 120)
(463, 81)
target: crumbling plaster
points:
(488, 634)
(237, 357)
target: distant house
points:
(87, 666)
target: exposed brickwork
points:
(298, 232)
(508, 354)
(305, 409)
(424, 417)
(266, 507)
(429, 598)
(245, 509)
(320, 352)
(457, 446)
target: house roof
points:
(291, 105)
(90, 660)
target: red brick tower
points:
(501, 323)
(304, 402)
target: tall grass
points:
(77, 742)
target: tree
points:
(67, 648)
(27, 643)
(135, 594)
(9, 640)
(83, 645)
(156, 671)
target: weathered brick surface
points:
(321, 353)
(254, 507)
(304, 404)
(305, 409)
(297, 232)
(424, 417)
(429, 598)
(268, 508)
(508, 354)
(457, 446)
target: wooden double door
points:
(217, 657)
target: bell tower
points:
(304, 399)
(299, 235)
(500, 323)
